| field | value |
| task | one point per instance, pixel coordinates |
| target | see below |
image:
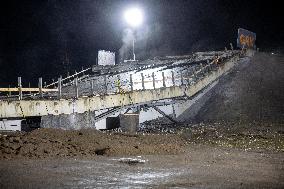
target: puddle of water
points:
(146, 178)
(114, 174)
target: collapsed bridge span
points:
(118, 89)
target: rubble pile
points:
(246, 136)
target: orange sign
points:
(246, 39)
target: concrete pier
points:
(129, 122)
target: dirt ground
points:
(201, 166)
(219, 155)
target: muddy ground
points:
(219, 155)
(200, 167)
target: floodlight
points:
(134, 17)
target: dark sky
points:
(47, 38)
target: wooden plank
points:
(27, 90)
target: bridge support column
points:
(129, 122)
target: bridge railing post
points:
(173, 78)
(131, 83)
(194, 73)
(164, 81)
(232, 47)
(59, 87)
(209, 66)
(118, 84)
(9, 93)
(53, 82)
(76, 88)
(187, 76)
(20, 88)
(142, 79)
(30, 92)
(181, 78)
(92, 86)
(40, 87)
(105, 84)
(153, 78)
(212, 65)
(202, 69)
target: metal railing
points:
(142, 80)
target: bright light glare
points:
(134, 17)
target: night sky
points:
(47, 38)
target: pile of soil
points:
(43, 143)
(253, 91)
(89, 143)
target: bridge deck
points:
(25, 108)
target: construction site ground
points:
(245, 151)
(220, 155)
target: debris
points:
(132, 161)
